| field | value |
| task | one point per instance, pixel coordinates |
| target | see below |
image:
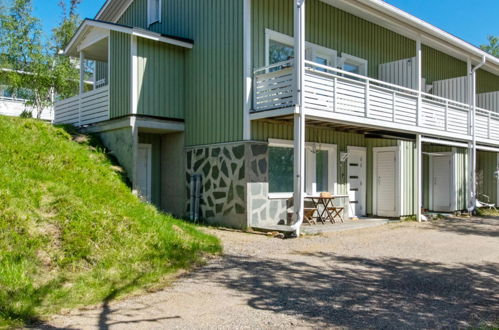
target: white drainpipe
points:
(299, 116)
(472, 93)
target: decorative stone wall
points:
(223, 183)
(235, 185)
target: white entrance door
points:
(441, 181)
(356, 172)
(386, 183)
(144, 171)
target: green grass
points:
(486, 212)
(71, 232)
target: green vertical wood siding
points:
(120, 80)
(486, 82)
(101, 71)
(214, 67)
(332, 28)
(160, 79)
(155, 141)
(439, 66)
(487, 183)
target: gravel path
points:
(399, 276)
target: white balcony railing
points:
(87, 108)
(337, 94)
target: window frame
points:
(311, 49)
(150, 18)
(354, 60)
(311, 162)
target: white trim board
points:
(89, 25)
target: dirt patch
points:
(442, 274)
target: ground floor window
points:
(281, 162)
(320, 167)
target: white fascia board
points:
(383, 125)
(122, 7)
(88, 24)
(146, 34)
(444, 142)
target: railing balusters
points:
(335, 94)
(488, 125)
(446, 116)
(367, 95)
(393, 106)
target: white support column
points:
(299, 116)
(134, 99)
(418, 182)
(247, 69)
(135, 152)
(82, 83)
(82, 72)
(419, 77)
(473, 152)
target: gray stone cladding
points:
(235, 185)
(223, 189)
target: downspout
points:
(472, 93)
(299, 117)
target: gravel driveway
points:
(443, 274)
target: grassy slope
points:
(71, 233)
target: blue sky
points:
(470, 20)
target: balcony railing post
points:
(419, 106)
(254, 92)
(335, 94)
(367, 99)
(446, 118)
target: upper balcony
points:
(337, 95)
(135, 72)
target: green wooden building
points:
(264, 103)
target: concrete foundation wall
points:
(173, 194)
(120, 143)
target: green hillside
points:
(71, 232)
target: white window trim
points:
(150, 18)
(347, 58)
(311, 184)
(311, 49)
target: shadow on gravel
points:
(365, 293)
(486, 226)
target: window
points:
(281, 161)
(153, 11)
(280, 48)
(353, 64)
(320, 168)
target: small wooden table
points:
(326, 210)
